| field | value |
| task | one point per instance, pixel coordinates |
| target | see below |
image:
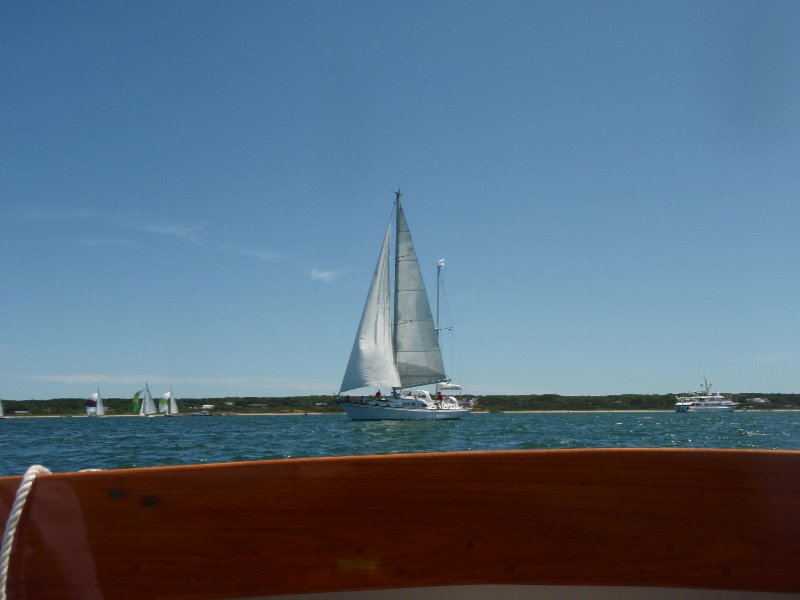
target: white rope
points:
(13, 520)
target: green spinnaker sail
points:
(135, 401)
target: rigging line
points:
(14, 516)
(453, 354)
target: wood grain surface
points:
(716, 519)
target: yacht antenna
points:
(439, 266)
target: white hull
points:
(370, 412)
(711, 409)
(703, 405)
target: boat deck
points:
(635, 518)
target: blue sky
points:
(193, 194)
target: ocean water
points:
(72, 444)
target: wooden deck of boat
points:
(709, 519)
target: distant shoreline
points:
(268, 406)
(278, 414)
(309, 413)
(292, 405)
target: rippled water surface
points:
(71, 444)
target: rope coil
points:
(13, 520)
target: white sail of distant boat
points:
(168, 405)
(94, 405)
(147, 407)
(2, 414)
(400, 354)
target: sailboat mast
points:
(396, 270)
(438, 285)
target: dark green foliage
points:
(327, 404)
(122, 406)
(556, 402)
(620, 402)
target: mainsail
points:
(416, 344)
(167, 404)
(148, 407)
(94, 405)
(173, 404)
(371, 361)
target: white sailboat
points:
(143, 403)
(94, 405)
(168, 405)
(398, 353)
(2, 413)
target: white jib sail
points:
(148, 407)
(419, 359)
(172, 405)
(101, 410)
(371, 361)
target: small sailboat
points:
(2, 413)
(143, 403)
(94, 405)
(401, 353)
(167, 405)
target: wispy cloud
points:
(178, 230)
(94, 378)
(775, 358)
(52, 214)
(124, 243)
(129, 221)
(261, 384)
(265, 255)
(90, 243)
(326, 276)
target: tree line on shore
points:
(327, 404)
